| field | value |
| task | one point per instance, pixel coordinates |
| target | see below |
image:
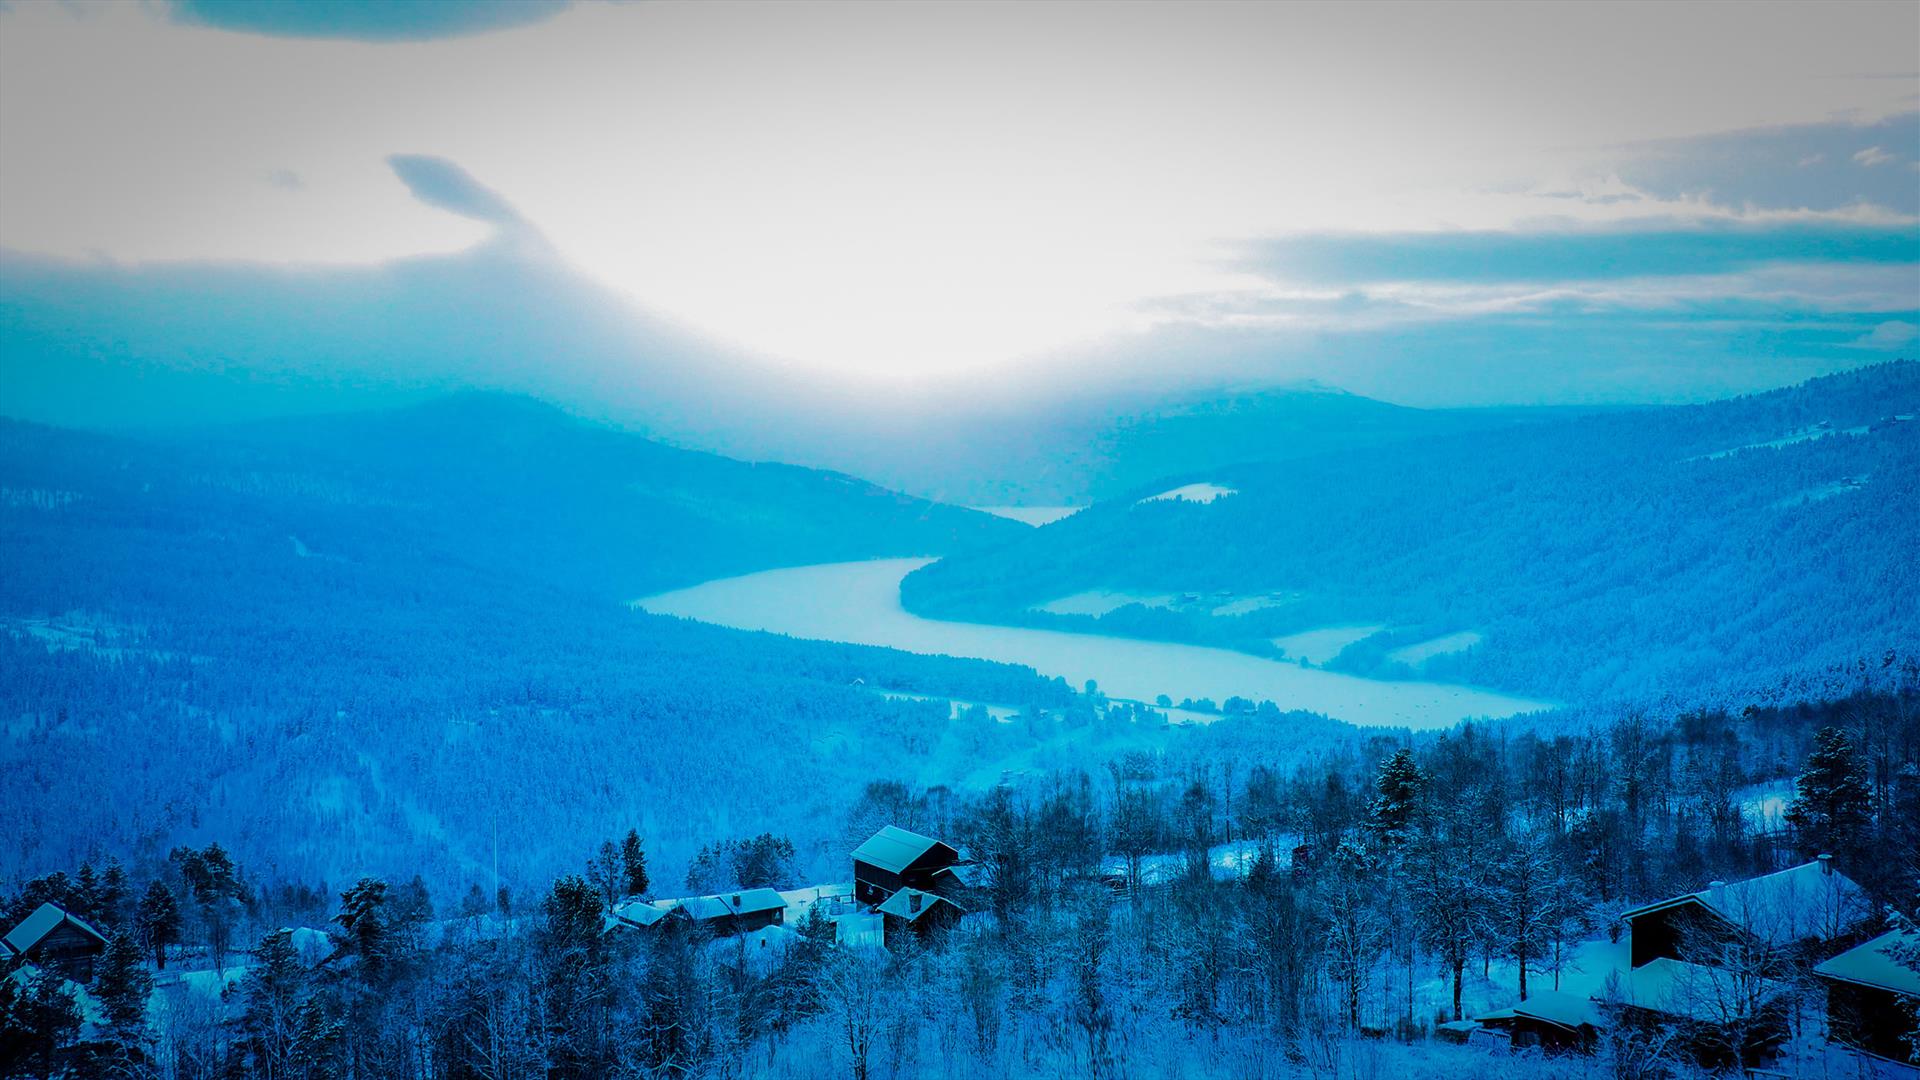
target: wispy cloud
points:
(365, 20)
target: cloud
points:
(442, 184)
(284, 179)
(1892, 334)
(1642, 249)
(1785, 167)
(365, 20)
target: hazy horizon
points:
(702, 220)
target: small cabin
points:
(740, 912)
(919, 914)
(894, 859)
(1553, 1021)
(1798, 908)
(55, 938)
(1871, 996)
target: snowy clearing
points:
(1193, 493)
(1421, 652)
(1031, 515)
(1322, 645)
(1098, 602)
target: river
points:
(859, 602)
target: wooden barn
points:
(917, 913)
(894, 859)
(57, 939)
(1800, 908)
(1871, 996)
(736, 912)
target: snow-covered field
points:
(1032, 515)
(1193, 493)
(1419, 653)
(1322, 645)
(859, 602)
(1098, 602)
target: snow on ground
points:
(1824, 491)
(1764, 805)
(1227, 861)
(1002, 713)
(1806, 434)
(1247, 605)
(1193, 493)
(1032, 515)
(859, 603)
(1322, 645)
(1098, 602)
(1417, 654)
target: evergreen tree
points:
(275, 988)
(159, 920)
(633, 862)
(1832, 805)
(364, 931)
(122, 985)
(110, 900)
(1397, 791)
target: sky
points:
(1436, 204)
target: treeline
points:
(1603, 558)
(1380, 887)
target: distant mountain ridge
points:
(1663, 549)
(502, 483)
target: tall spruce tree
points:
(1832, 805)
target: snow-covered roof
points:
(744, 902)
(901, 904)
(1870, 964)
(636, 913)
(45, 919)
(895, 849)
(1807, 901)
(1569, 1011)
(1696, 991)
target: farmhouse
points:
(893, 859)
(635, 915)
(1871, 995)
(56, 938)
(1799, 909)
(736, 912)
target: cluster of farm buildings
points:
(1709, 963)
(1721, 967)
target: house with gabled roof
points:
(57, 938)
(1871, 996)
(1799, 908)
(894, 859)
(737, 912)
(922, 914)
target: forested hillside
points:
(399, 639)
(1192, 915)
(1680, 550)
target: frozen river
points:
(859, 602)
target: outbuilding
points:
(57, 938)
(1871, 996)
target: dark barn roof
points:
(894, 849)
